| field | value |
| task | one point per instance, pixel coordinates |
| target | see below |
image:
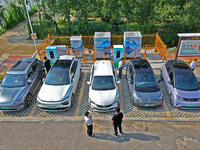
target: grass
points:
(2, 30)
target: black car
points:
(142, 83)
(20, 83)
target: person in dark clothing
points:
(47, 64)
(117, 121)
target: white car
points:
(103, 90)
(58, 89)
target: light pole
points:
(33, 35)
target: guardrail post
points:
(67, 50)
(145, 51)
(84, 55)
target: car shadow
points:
(126, 137)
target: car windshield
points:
(186, 80)
(103, 83)
(14, 80)
(145, 80)
(58, 76)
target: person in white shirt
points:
(121, 65)
(89, 121)
(193, 64)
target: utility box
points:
(77, 45)
(52, 54)
(102, 40)
(62, 49)
(118, 52)
(133, 42)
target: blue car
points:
(20, 83)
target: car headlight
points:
(136, 98)
(181, 98)
(90, 100)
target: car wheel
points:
(171, 100)
(29, 99)
(80, 75)
(161, 76)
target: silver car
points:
(59, 87)
(20, 83)
(142, 84)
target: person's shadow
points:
(126, 137)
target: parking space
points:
(80, 105)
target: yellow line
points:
(168, 114)
(120, 97)
(33, 109)
(80, 95)
(80, 117)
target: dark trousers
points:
(89, 129)
(120, 72)
(119, 126)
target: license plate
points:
(148, 105)
(190, 106)
(51, 107)
(5, 108)
(104, 109)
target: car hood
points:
(148, 95)
(9, 95)
(52, 93)
(188, 94)
(106, 97)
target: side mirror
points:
(30, 81)
(170, 82)
(118, 82)
(131, 81)
(88, 82)
(43, 80)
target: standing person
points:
(193, 64)
(121, 65)
(117, 122)
(47, 64)
(89, 121)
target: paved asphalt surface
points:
(71, 135)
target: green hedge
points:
(167, 32)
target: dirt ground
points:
(14, 41)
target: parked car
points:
(143, 86)
(181, 84)
(20, 83)
(103, 90)
(59, 87)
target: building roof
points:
(102, 35)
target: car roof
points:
(178, 64)
(103, 67)
(141, 64)
(22, 65)
(68, 57)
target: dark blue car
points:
(20, 83)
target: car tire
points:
(161, 75)
(171, 100)
(28, 100)
(80, 75)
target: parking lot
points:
(80, 105)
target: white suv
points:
(103, 90)
(57, 91)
